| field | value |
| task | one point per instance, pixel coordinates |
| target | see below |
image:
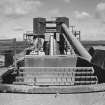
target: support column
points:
(51, 45)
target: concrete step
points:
(56, 69)
(56, 73)
(58, 81)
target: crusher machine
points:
(54, 62)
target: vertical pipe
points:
(76, 44)
(51, 46)
(14, 42)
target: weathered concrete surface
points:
(90, 98)
(53, 99)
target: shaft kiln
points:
(54, 61)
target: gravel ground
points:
(53, 99)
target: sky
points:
(88, 16)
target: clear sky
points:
(87, 15)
